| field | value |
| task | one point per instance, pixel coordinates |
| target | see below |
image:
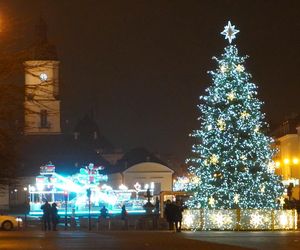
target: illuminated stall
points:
(70, 193)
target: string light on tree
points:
(243, 157)
(223, 69)
(214, 159)
(231, 96)
(271, 166)
(211, 201)
(236, 198)
(221, 124)
(245, 115)
(240, 68)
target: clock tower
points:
(42, 104)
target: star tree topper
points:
(229, 32)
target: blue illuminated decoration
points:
(72, 191)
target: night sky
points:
(142, 64)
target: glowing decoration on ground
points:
(220, 219)
(256, 130)
(263, 188)
(285, 219)
(209, 127)
(256, 220)
(214, 159)
(234, 219)
(221, 124)
(240, 68)
(230, 32)
(72, 191)
(192, 219)
(231, 96)
(236, 198)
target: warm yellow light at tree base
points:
(286, 161)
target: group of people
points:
(50, 215)
(173, 214)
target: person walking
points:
(178, 215)
(103, 212)
(124, 217)
(46, 215)
(54, 216)
(169, 214)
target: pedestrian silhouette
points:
(178, 215)
(103, 212)
(54, 216)
(124, 213)
(46, 215)
(169, 214)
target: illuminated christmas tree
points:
(231, 165)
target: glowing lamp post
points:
(66, 209)
(26, 205)
(88, 194)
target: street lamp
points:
(26, 206)
(66, 209)
(88, 194)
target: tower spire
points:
(41, 30)
(42, 49)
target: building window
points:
(44, 118)
(76, 135)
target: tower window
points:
(44, 118)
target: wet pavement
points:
(276, 240)
(154, 240)
(133, 240)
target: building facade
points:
(287, 139)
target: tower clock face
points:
(43, 77)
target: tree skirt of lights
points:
(239, 219)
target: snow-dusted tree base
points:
(239, 219)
